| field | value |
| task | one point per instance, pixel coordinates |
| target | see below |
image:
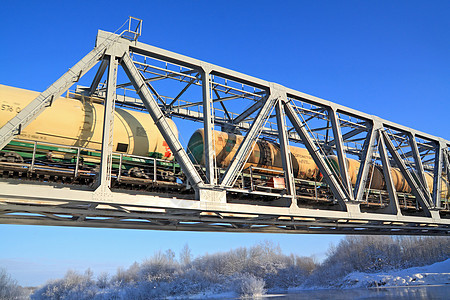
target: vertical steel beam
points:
(418, 162)
(417, 192)
(393, 199)
(38, 105)
(343, 168)
(329, 176)
(366, 157)
(243, 152)
(98, 76)
(447, 168)
(285, 151)
(104, 176)
(447, 164)
(160, 120)
(437, 180)
(208, 149)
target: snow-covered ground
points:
(435, 274)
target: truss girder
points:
(160, 120)
(71, 207)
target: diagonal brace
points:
(361, 180)
(417, 192)
(348, 135)
(285, 150)
(98, 76)
(160, 120)
(249, 111)
(419, 166)
(343, 168)
(243, 152)
(329, 176)
(394, 204)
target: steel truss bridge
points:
(170, 85)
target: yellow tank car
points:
(79, 123)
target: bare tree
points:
(185, 255)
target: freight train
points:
(66, 140)
(267, 156)
(72, 124)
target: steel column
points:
(447, 169)
(437, 180)
(329, 176)
(447, 165)
(160, 120)
(104, 176)
(418, 162)
(366, 157)
(343, 168)
(208, 147)
(393, 199)
(285, 150)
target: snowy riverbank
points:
(435, 274)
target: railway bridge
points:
(350, 150)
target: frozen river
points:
(409, 292)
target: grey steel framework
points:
(219, 200)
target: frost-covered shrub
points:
(248, 285)
(160, 267)
(103, 280)
(420, 251)
(378, 253)
(190, 282)
(125, 277)
(9, 289)
(73, 286)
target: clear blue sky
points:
(386, 58)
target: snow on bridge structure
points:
(235, 197)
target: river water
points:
(410, 292)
